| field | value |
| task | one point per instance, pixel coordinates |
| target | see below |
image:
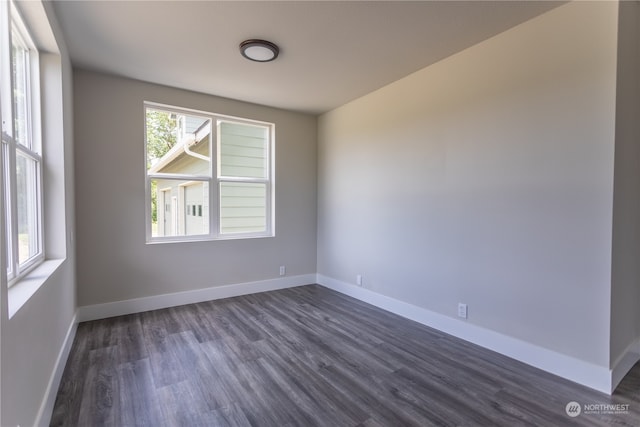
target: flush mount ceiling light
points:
(259, 50)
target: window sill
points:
(206, 238)
(21, 291)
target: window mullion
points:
(29, 153)
(178, 176)
(243, 179)
(214, 203)
(39, 219)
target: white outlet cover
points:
(462, 310)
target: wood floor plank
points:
(337, 408)
(100, 405)
(139, 401)
(201, 374)
(67, 407)
(366, 396)
(183, 406)
(306, 356)
(257, 402)
(129, 344)
(229, 416)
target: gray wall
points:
(33, 338)
(486, 179)
(114, 263)
(625, 292)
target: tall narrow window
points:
(22, 159)
(208, 176)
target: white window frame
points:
(213, 179)
(10, 22)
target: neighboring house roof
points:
(182, 147)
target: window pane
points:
(177, 143)
(170, 201)
(27, 207)
(243, 207)
(243, 150)
(20, 56)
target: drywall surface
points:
(114, 262)
(625, 287)
(486, 179)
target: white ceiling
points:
(331, 51)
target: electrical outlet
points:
(359, 280)
(283, 270)
(462, 310)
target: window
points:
(208, 176)
(21, 147)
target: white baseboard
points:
(43, 418)
(576, 370)
(594, 376)
(138, 305)
(625, 362)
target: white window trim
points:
(12, 21)
(214, 180)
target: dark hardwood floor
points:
(307, 356)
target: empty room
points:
(320, 213)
